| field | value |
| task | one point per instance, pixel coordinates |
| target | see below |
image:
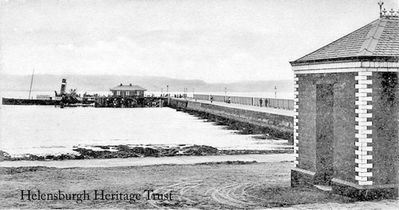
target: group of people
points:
(228, 100)
(261, 102)
(180, 95)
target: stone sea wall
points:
(279, 125)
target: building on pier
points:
(128, 91)
(346, 112)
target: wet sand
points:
(205, 186)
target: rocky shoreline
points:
(129, 151)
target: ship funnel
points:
(63, 86)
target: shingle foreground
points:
(379, 38)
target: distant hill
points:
(46, 82)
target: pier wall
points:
(278, 123)
(17, 101)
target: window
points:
(127, 93)
(118, 93)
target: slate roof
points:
(377, 39)
(128, 87)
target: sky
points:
(210, 40)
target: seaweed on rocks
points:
(229, 162)
(129, 151)
(4, 156)
(199, 150)
(168, 152)
(86, 153)
(252, 152)
(126, 151)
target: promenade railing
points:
(276, 103)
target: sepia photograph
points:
(199, 104)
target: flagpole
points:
(31, 83)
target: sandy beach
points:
(235, 184)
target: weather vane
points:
(380, 3)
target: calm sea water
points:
(25, 94)
(50, 130)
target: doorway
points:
(324, 133)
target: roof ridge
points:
(119, 87)
(371, 41)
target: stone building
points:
(128, 91)
(346, 121)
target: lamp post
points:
(225, 94)
(167, 94)
(184, 92)
(167, 90)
